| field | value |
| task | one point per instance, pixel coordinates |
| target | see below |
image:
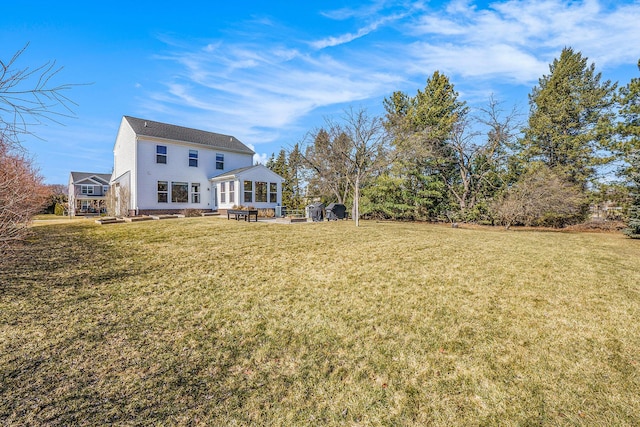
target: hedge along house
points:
(164, 168)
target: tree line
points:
(430, 157)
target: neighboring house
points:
(163, 168)
(87, 192)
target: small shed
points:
(336, 211)
(316, 211)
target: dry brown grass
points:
(215, 322)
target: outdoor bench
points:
(243, 214)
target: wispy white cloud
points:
(498, 61)
(532, 29)
(349, 37)
(256, 89)
(261, 89)
(361, 12)
(342, 39)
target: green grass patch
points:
(204, 321)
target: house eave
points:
(191, 144)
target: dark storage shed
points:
(316, 211)
(336, 211)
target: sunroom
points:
(255, 186)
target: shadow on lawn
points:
(63, 330)
(60, 256)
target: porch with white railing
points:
(90, 206)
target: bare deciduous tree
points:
(117, 200)
(22, 194)
(28, 96)
(477, 156)
(329, 168)
(351, 151)
(541, 197)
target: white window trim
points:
(245, 192)
(160, 155)
(166, 193)
(195, 193)
(193, 155)
(232, 191)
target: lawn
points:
(204, 321)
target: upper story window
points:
(220, 161)
(193, 158)
(105, 188)
(161, 154)
(86, 189)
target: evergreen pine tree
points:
(633, 225)
(629, 129)
(421, 127)
(571, 119)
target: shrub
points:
(192, 212)
(22, 193)
(540, 198)
(59, 209)
(267, 213)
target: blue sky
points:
(269, 72)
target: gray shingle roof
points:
(79, 176)
(150, 128)
(235, 172)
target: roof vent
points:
(145, 124)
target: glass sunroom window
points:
(248, 191)
(261, 192)
(232, 191)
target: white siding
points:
(237, 200)
(177, 169)
(72, 196)
(135, 164)
(124, 158)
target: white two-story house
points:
(163, 168)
